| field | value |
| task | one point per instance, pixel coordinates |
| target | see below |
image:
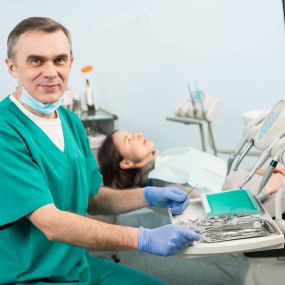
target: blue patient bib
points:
(190, 166)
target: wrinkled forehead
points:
(42, 43)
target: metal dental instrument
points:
(234, 154)
(249, 146)
(192, 189)
(251, 130)
(188, 193)
(211, 229)
(237, 227)
(264, 156)
(241, 231)
(267, 175)
(277, 153)
(195, 111)
(271, 128)
(270, 135)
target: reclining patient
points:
(127, 160)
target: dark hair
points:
(34, 24)
(114, 176)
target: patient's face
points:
(133, 146)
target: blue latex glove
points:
(167, 197)
(166, 240)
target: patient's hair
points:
(114, 176)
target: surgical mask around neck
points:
(39, 107)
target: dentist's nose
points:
(49, 70)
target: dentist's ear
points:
(11, 67)
(126, 164)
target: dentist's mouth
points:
(49, 87)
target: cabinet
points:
(102, 121)
(97, 126)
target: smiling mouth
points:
(52, 87)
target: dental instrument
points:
(247, 149)
(251, 130)
(251, 230)
(189, 192)
(277, 152)
(263, 157)
(267, 175)
(192, 189)
(271, 131)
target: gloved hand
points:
(167, 197)
(166, 240)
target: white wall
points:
(144, 51)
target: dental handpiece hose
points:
(231, 159)
(264, 156)
(251, 131)
(249, 146)
(267, 175)
(234, 154)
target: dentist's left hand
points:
(167, 197)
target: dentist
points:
(49, 179)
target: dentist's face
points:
(133, 146)
(41, 64)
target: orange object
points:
(86, 68)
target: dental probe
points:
(256, 225)
(189, 192)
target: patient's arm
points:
(260, 171)
(278, 169)
(276, 181)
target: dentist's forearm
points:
(82, 231)
(111, 201)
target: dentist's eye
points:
(61, 60)
(36, 61)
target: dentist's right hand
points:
(166, 240)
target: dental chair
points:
(268, 267)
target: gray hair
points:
(34, 24)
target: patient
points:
(126, 159)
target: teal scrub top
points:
(35, 172)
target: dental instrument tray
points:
(227, 203)
(229, 233)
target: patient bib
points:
(192, 167)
